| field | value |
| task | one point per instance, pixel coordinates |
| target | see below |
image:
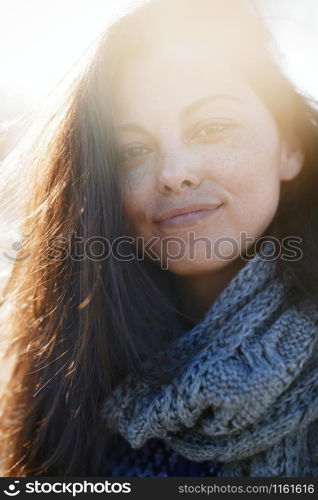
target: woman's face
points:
(191, 131)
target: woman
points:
(154, 332)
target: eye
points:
(131, 153)
(212, 129)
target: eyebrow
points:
(204, 100)
(188, 110)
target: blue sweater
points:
(155, 459)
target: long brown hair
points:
(76, 326)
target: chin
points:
(195, 267)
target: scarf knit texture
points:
(244, 389)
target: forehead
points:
(173, 73)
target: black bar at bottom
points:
(156, 488)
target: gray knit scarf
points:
(245, 390)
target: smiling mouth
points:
(187, 219)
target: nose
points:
(175, 174)
(176, 184)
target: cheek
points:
(251, 179)
(249, 157)
(137, 189)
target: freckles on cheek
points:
(250, 160)
(135, 182)
(253, 183)
(135, 196)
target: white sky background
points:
(41, 39)
(39, 42)
(294, 24)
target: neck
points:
(197, 292)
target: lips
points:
(186, 215)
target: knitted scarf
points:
(245, 384)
